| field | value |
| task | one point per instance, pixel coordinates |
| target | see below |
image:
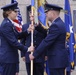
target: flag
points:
(39, 16)
(39, 13)
(46, 68)
(70, 33)
(34, 9)
(18, 21)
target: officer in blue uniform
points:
(9, 44)
(38, 37)
(54, 42)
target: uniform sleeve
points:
(23, 40)
(41, 29)
(8, 34)
(22, 34)
(48, 41)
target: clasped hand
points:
(31, 49)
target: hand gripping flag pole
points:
(32, 22)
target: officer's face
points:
(13, 14)
(49, 15)
(31, 16)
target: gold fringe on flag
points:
(72, 64)
(67, 36)
(74, 48)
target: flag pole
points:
(32, 22)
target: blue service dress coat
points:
(38, 37)
(9, 44)
(54, 43)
